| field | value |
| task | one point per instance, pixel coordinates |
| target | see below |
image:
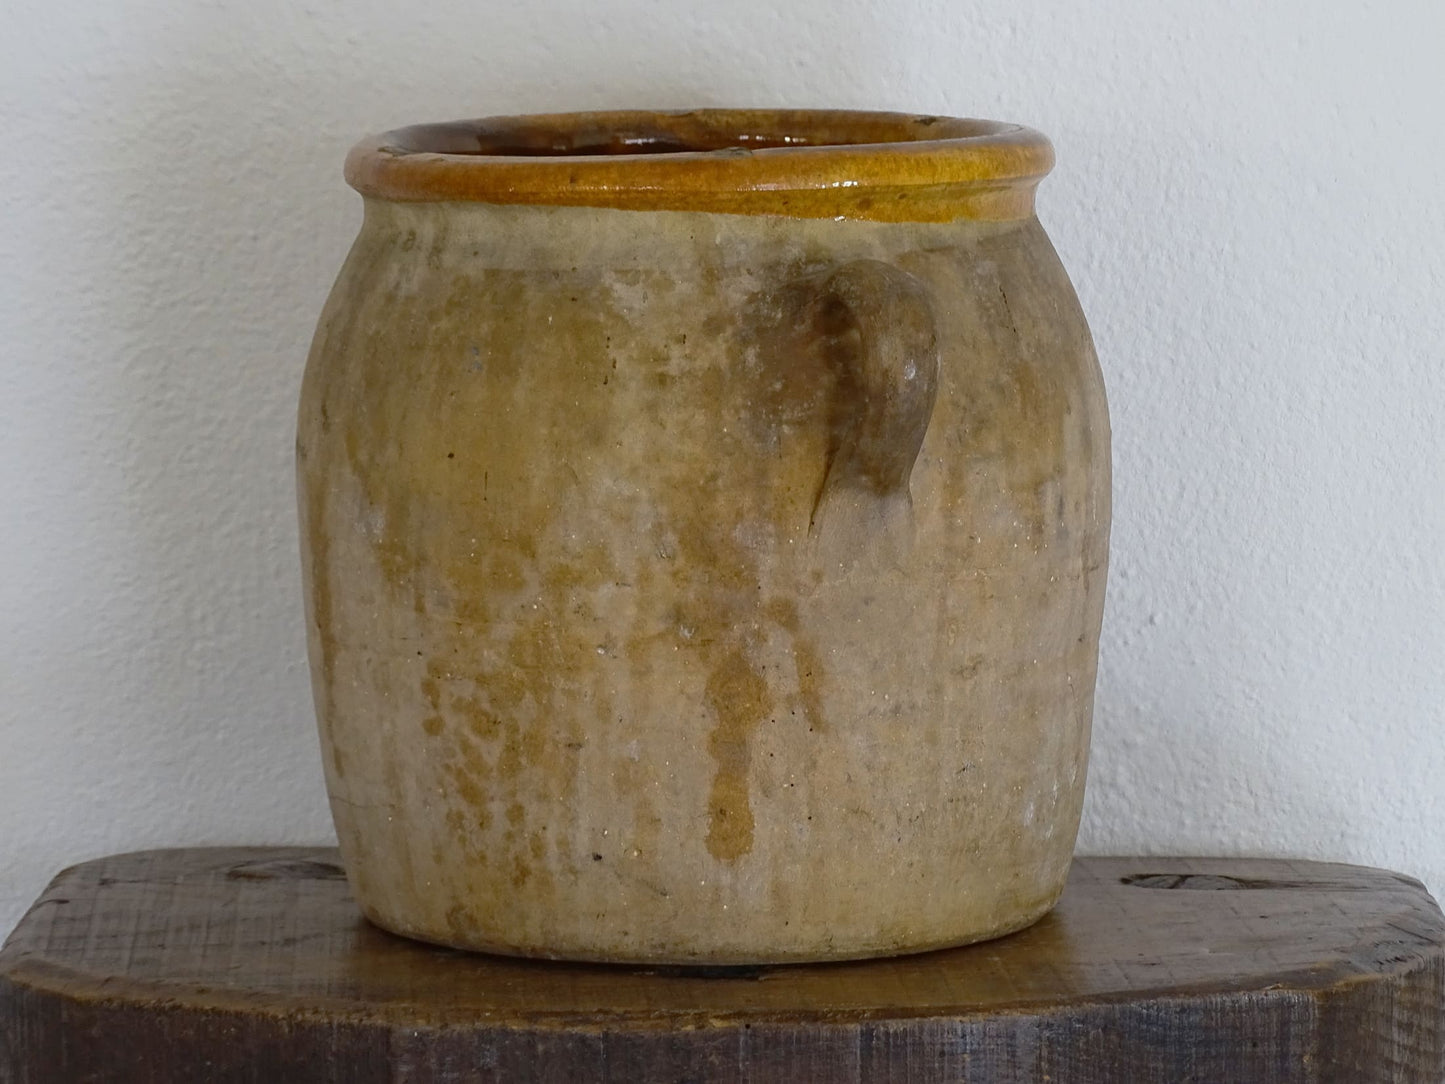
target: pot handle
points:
(877, 326)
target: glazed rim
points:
(800, 163)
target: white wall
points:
(1247, 196)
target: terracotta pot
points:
(705, 520)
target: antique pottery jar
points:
(705, 520)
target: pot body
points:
(702, 588)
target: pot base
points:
(691, 947)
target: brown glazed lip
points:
(805, 163)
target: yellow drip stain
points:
(806, 660)
(740, 700)
(521, 872)
(429, 687)
(810, 678)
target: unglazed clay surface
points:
(638, 631)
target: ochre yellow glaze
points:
(884, 167)
(698, 587)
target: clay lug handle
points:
(878, 327)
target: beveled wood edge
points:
(46, 982)
(938, 169)
(23, 975)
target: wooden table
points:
(254, 965)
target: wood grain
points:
(254, 965)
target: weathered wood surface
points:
(254, 965)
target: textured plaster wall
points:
(1247, 197)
